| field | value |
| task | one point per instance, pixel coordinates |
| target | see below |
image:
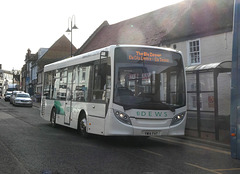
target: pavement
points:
(37, 104)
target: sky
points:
(35, 24)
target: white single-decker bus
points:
(128, 90)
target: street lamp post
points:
(71, 28)
(13, 75)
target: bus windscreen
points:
(149, 79)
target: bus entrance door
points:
(68, 103)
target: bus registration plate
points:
(152, 133)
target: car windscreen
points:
(23, 95)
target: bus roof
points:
(91, 56)
(86, 57)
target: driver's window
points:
(129, 82)
(102, 80)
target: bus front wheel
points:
(82, 126)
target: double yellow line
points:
(216, 171)
(194, 145)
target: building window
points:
(194, 52)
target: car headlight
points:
(121, 116)
(177, 118)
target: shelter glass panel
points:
(206, 81)
(207, 122)
(224, 91)
(191, 120)
(191, 82)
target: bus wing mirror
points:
(103, 54)
(108, 61)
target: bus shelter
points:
(208, 96)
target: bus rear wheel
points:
(53, 118)
(82, 126)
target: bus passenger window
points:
(81, 83)
(47, 84)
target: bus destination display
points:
(148, 57)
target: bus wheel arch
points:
(82, 124)
(53, 117)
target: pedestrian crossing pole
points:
(235, 87)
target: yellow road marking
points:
(232, 169)
(217, 171)
(158, 154)
(194, 145)
(203, 168)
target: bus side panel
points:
(96, 109)
(96, 125)
(60, 110)
(46, 108)
(96, 118)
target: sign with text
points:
(148, 56)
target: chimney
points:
(29, 52)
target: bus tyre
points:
(82, 126)
(53, 118)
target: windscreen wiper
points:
(172, 108)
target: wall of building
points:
(215, 48)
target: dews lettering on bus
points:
(148, 56)
(152, 114)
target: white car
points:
(22, 99)
(13, 95)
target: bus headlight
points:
(121, 116)
(177, 118)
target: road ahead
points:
(29, 145)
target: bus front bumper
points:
(143, 127)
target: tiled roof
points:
(147, 29)
(60, 50)
(181, 20)
(205, 17)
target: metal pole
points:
(235, 87)
(198, 103)
(71, 29)
(215, 76)
(71, 37)
(13, 75)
